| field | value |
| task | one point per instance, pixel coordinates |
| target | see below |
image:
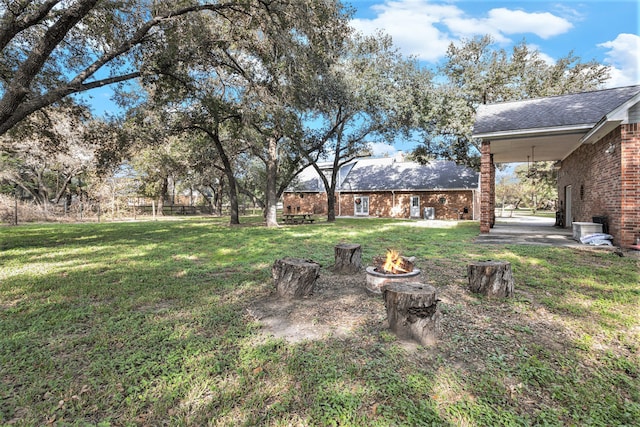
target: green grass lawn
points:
(146, 323)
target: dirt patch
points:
(339, 307)
(471, 327)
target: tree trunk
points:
(233, 200)
(331, 206)
(348, 258)
(294, 277)
(228, 171)
(15, 206)
(491, 278)
(272, 175)
(412, 311)
(160, 210)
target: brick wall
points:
(604, 179)
(630, 185)
(487, 188)
(315, 203)
(386, 204)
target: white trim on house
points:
(611, 121)
(546, 131)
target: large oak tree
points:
(250, 74)
(371, 94)
(476, 72)
(50, 49)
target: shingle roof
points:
(309, 181)
(586, 108)
(386, 174)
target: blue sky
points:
(606, 31)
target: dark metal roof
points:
(565, 111)
(387, 174)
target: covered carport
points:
(553, 129)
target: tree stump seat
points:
(294, 277)
(491, 278)
(412, 311)
(348, 258)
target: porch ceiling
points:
(555, 126)
(539, 147)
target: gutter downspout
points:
(339, 201)
(393, 200)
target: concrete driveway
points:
(533, 230)
(528, 230)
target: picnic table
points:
(298, 218)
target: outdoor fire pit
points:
(390, 270)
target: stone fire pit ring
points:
(376, 281)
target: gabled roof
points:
(309, 181)
(389, 174)
(582, 110)
(554, 126)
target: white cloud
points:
(501, 22)
(548, 59)
(425, 30)
(412, 24)
(465, 27)
(380, 149)
(623, 56)
(544, 24)
(571, 13)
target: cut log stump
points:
(412, 311)
(348, 258)
(294, 277)
(491, 278)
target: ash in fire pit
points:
(391, 269)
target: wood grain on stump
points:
(348, 258)
(491, 278)
(294, 277)
(412, 311)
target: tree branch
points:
(15, 103)
(36, 104)
(12, 24)
(18, 88)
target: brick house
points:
(390, 188)
(594, 137)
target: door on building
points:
(414, 211)
(568, 218)
(361, 205)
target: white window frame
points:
(364, 202)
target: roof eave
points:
(408, 190)
(611, 121)
(548, 131)
(599, 131)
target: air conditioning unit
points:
(430, 213)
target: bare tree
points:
(46, 152)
